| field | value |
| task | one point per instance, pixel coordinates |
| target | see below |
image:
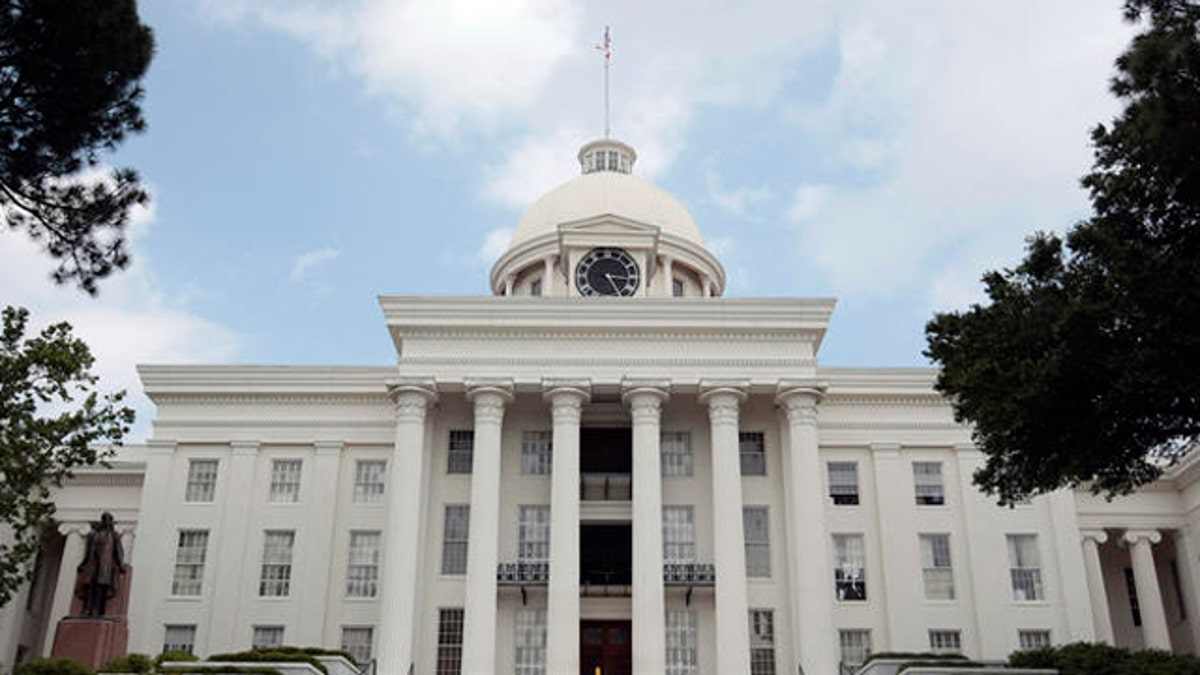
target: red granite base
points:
(92, 641)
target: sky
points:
(305, 156)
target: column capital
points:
(645, 395)
(1134, 536)
(723, 403)
(76, 527)
(489, 397)
(800, 398)
(412, 396)
(565, 391)
(1096, 535)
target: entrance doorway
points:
(605, 648)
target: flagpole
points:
(607, 105)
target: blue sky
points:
(306, 156)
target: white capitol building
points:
(604, 464)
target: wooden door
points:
(605, 648)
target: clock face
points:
(607, 271)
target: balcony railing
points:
(606, 487)
(523, 574)
(689, 574)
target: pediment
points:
(608, 229)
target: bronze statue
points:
(98, 576)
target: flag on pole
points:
(606, 46)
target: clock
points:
(607, 271)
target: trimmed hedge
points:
(130, 663)
(59, 666)
(286, 654)
(940, 663)
(175, 656)
(1082, 658)
(923, 656)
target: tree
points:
(51, 420)
(69, 91)
(1084, 366)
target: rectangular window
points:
(1025, 567)
(179, 638)
(936, 568)
(531, 642)
(850, 567)
(843, 483)
(679, 535)
(753, 452)
(266, 637)
(368, 481)
(454, 539)
(756, 525)
(201, 480)
(676, 448)
(189, 562)
(285, 480)
(855, 645)
(357, 641)
(677, 287)
(945, 641)
(1033, 639)
(681, 643)
(533, 534)
(927, 483)
(762, 642)
(536, 453)
(275, 581)
(1135, 608)
(450, 638)
(462, 451)
(362, 565)
(535, 287)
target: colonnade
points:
(809, 562)
(1155, 633)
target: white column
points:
(548, 275)
(1101, 618)
(729, 557)
(321, 481)
(230, 544)
(562, 606)
(1145, 580)
(151, 576)
(649, 605)
(812, 589)
(402, 545)
(668, 275)
(483, 534)
(1189, 570)
(64, 589)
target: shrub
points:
(923, 656)
(175, 656)
(130, 663)
(269, 655)
(1082, 658)
(940, 662)
(60, 666)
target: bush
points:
(1082, 658)
(940, 662)
(914, 656)
(130, 663)
(268, 655)
(175, 656)
(60, 666)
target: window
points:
(1025, 567)
(533, 534)
(189, 562)
(677, 287)
(266, 637)
(179, 638)
(531, 642)
(362, 565)
(535, 287)
(368, 481)
(357, 642)
(450, 637)
(754, 455)
(927, 483)
(936, 569)
(275, 581)
(462, 451)
(679, 535)
(850, 562)
(758, 541)
(681, 643)
(454, 539)
(285, 480)
(945, 641)
(201, 480)
(843, 483)
(856, 646)
(1131, 589)
(536, 453)
(762, 642)
(676, 449)
(1033, 639)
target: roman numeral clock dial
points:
(607, 271)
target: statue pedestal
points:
(91, 640)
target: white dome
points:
(606, 193)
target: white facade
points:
(540, 470)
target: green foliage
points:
(317, 651)
(175, 657)
(59, 666)
(69, 90)
(921, 656)
(50, 422)
(1084, 367)
(130, 663)
(1082, 658)
(278, 655)
(939, 663)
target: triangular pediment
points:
(608, 230)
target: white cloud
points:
(494, 245)
(739, 201)
(310, 260)
(131, 321)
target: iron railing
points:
(689, 574)
(523, 574)
(606, 487)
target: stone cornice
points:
(322, 382)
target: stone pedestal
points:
(91, 640)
